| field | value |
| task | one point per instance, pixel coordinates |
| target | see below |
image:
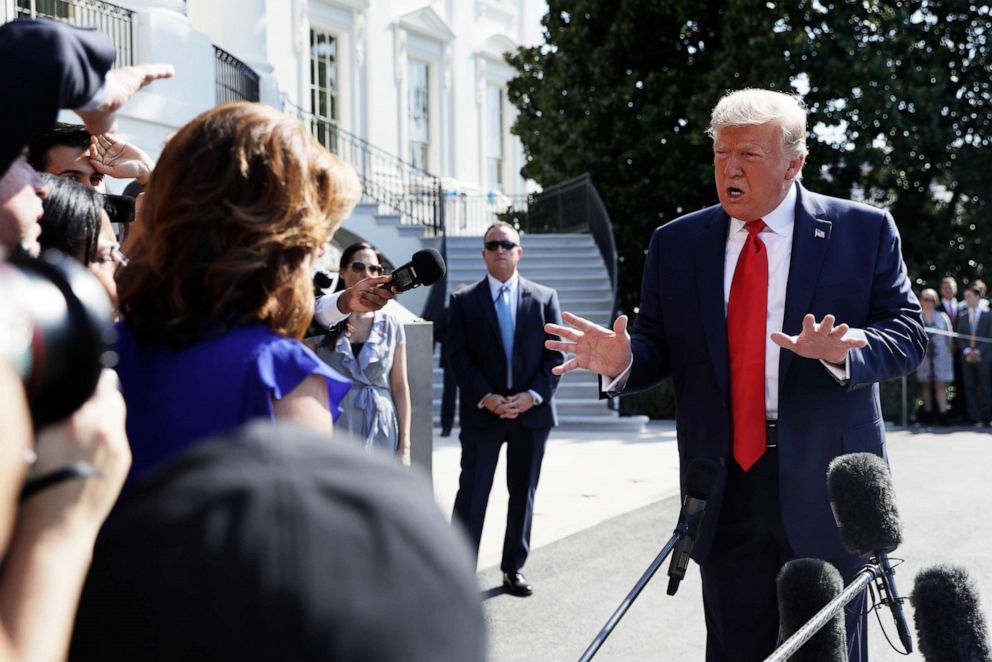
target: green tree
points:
(899, 91)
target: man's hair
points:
(978, 287)
(499, 224)
(753, 106)
(72, 218)
(241, 196)
(62, 134)
(949, 279)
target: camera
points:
(55, 330)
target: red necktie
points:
(746, 315)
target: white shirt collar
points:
(495, 285)
(782, 219)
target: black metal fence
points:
(413, 193)
(236, 81)
(470, 215)
(116, 22)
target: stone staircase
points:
(572, 265)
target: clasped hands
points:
(508, 406)
(607, 351)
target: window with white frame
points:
(420, 114)
(324, 86)
(495, 145)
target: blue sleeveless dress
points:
(178, 397)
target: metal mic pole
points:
(822, 617)
(629, 600)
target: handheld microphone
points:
(950, 626)
(701, 479)
(863, 502)
(805, 586)
(425, 268)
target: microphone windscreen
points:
(701, 478)
(950, 626)
(864, 503)
(804, 587)
(429, 266)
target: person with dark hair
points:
(370, 349)
(217, 294)
(76, 222)
(272, 544)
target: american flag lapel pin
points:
(819, 234)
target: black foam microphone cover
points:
(950, 625)
(864, 504)
(429, 265)
(804, 587)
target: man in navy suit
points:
(776, 312)
(506, 388)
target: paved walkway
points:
(605, 507)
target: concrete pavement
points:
(606, 505)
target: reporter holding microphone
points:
(777, 312)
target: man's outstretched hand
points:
(822, 341)
(111, 156)
(120, 85)
(596, 348)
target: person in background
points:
(76, 222)
(217, 295)
(370, 349)
(949, 303)
(937, 369)
(974, 324)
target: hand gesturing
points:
(596, 348)
(822, 341)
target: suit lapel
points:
(525, 301)
(810, 239)
(710, 250)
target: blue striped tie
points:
(505, 316)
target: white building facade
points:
(422, 81)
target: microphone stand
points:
(680, 531)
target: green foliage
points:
(900, 89)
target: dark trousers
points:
(977, 378)
(480, 453)
(750, 547)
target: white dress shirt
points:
(495, 285)
(326, 310)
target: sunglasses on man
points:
(359, 267)
(505, 244)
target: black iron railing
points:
(415, 194)
(116, 22)
(236, 81)
(573, 206)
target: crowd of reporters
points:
(273, 542)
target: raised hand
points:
(120, 85)
(596, 348)
(822, 341)
(116, 158)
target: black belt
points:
(771, 434)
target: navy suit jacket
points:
(45, 66)
(475, 352)
(846, 260)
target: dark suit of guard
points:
(46, 66)
(476, 356)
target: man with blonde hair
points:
(777, 312)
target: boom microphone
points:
(805, 586)
(864, 507)
(950, 625)
(425, 268)
(701, 479)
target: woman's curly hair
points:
(238, 202)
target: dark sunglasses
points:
(505, 244)
(358, 267)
